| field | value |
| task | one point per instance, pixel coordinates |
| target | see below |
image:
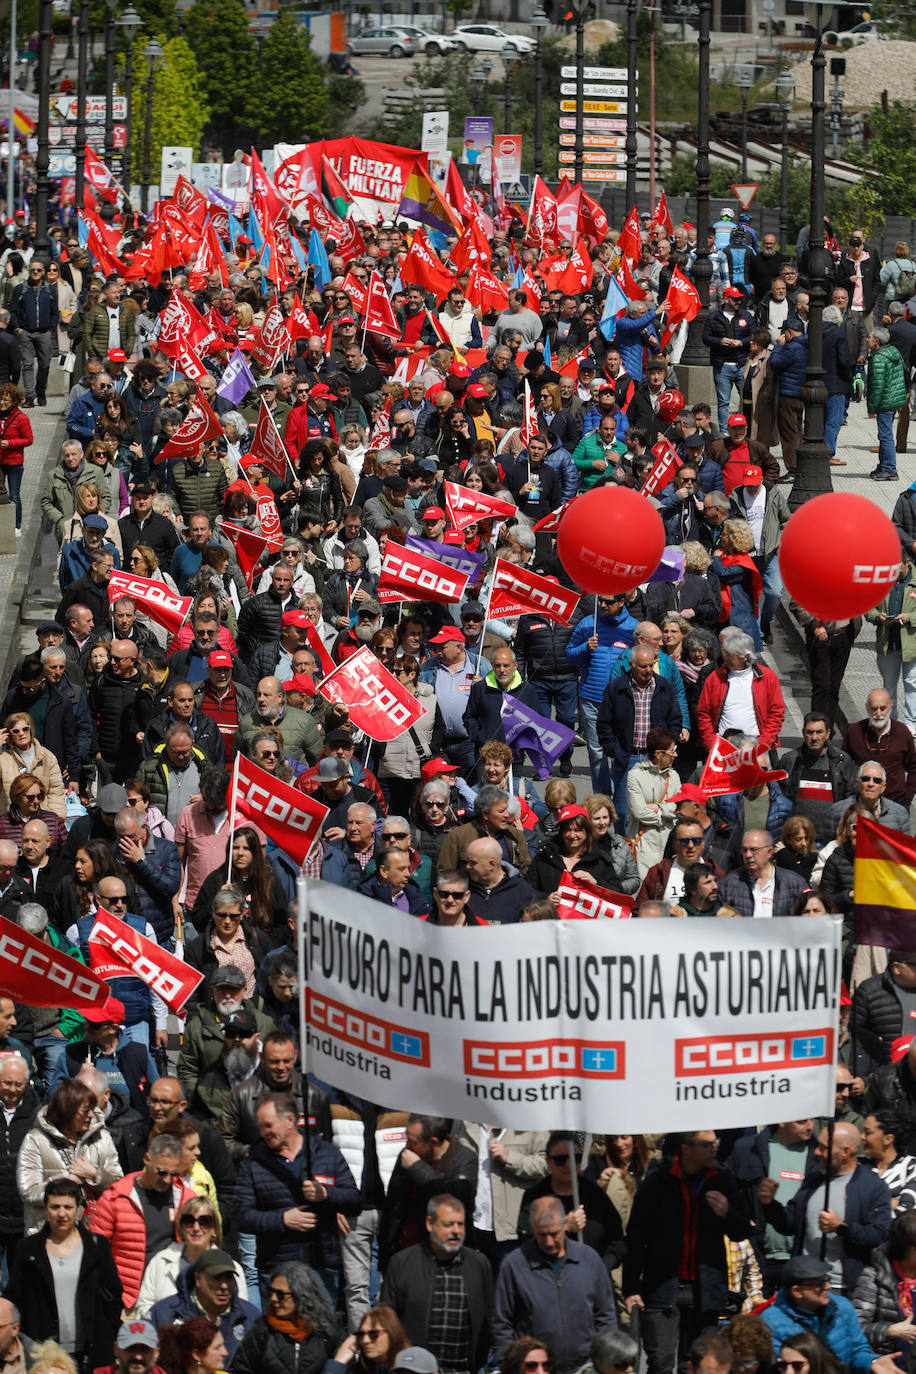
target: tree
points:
(890, 157)
(180, 111)
(226, 56)
(290, 103)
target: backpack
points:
(905, 285)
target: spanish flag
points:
(422, 202)
(884, 886)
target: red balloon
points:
(839, 555)
(610, 539)
(670, 405)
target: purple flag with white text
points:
(671, 567)
(237, 379)
(544, 739)
(462, 560)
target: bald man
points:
(856, 1219)
(498, 892)
(760, 888)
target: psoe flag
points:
(884, 886)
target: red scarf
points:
(906, 1288)
(744, 560)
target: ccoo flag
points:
(884, 886)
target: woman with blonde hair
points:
(244, 320)
(603, 815)
(197, 1228)
(21, 754)
(739, 578)
(353, 448)
(89, 499)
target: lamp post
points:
(785, 94)
(539, 22)
(42, 159)
(744, 80)
(509, 55)
(82, 72)
(486, 67)
(130, 21)
(837, 96)
(696, 354)
(631, 102)
(70, 55)
(109, 79)
(477, 80)
(153, 53)
(11, 121)
(579, 7)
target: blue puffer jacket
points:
(789, 360)
(182, 1304)
(836, 1325)
(633, 335)
(615, 636)
(668, 669)
(132, 992)
(268, 1186)
(157, 878)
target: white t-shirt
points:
(738, 707)
(764, 896)
(756, 509)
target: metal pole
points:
(652, 199)
(743, 133)
(538, 109)
(81, 84)
(147, 142)
(574, 1235)
(507, 98)
(631, 102)
(302, 915)
(813, 472)
(11, 122)
(696, 353)
(829, 1164)
(128, 121)
(71, 33)
(42, 159)
(784, 182)
(109, 81)
(580, 91)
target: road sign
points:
(603, 174)
(593, 156)
(618, 107)
(597, 73)
(65, 107)
(596, 125)
(617, 92)
(593, 141)
(745, 191)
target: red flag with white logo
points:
(728, 769)
(551, 522)
(350, 242)
(661, 216)
(181, 324)
(630, 242)
(267, 448)
(357, 292)
(300, 324)
(542, 215)
(516, 591)
(682, 302)
(200, 424)
(466, 507)
(585, 902)
(471, 248)
(41, 976)
(624, 279)
(484, 290)
(666, 464)
(119, 951)
(423, 268)
(408, 574)
(271, 340)
(377, 703)
(380, 318)
(532, 287)
(381, 431)
(530, 422)
(249, 547)
(571, 368)
(577, 275)
(154, 599)
(188, 361)
(291, 818)
(593, 222)
(318, 648)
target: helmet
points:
(728, 213)
(670, 405)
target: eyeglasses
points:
(563, 1159)
(202, 1223)
(870, 777)
(281, 1294)
(434, 805)
(123, 658)
(34, 796)
(446, 894)
(395, 835)
(269, 754)
(537, 1364)
(370, 1334)
(689, 839)
(795, 1365)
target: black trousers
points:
(827, 661)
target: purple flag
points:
(671, 568)
(544, 739)
(218, 198)
(462, 560)
(237, 379)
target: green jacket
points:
(907, 632)
(58, 500)
(155, 773)
(586, 451)
(203, 1041)
(199, 488)
(95, 330)
(887, 389)
(302, 736)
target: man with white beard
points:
(241, 1055)
(205, 1032)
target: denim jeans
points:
(49, 1058)
(890, 667)
(887, 449)
(248, 1260)
(597, 763)
(13, 476)
(359, 1257)
(834, 416)
(725, 376)
(562, 696)
(772, 590)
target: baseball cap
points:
(446, 634)
(459, 370)
(395, 482)
(656, 364)
(111, 798)
(695, 440)
(370, 608)
(571, 813)
(804, 1269)
(588, 365)
(227, 976)
(217, 1261)
(605, 387)
(321, 391)
(48, 627)
(265, 382)
(346, 319)
(95, 522)
(471, 610)
(338, 737)
(433, 767)
(241, 1022)
(753, 476)
(731, 293)
(793, 323)
(331, 769)
(477, 392)
(300, 682)
(112, 1010)
(220, 658)
(294, 618)
(433, 513)
(691, 792)
(137, 1333)
(417, 1360)
(116, 355)
(142, 489)
(734, 420)
(428, 464)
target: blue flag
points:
(298, 252)
(548, 354)
(254, 231)
(318, 259)
(614, 302)
(237, 379)
(235, 229)
(518, 280)
(82, 232)
(544, 739)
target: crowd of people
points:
(225, 1211)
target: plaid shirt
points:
(449, 1329)
(642, 723)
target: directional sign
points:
(603, 174)
(597, 73)
(596, 125)
(618, 107)
(598, 155)
(745, 191)
(593, 141)
(617, 92)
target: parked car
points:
(490, 38)
(866, 32)
(391, 39)
(431, 43)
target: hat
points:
(447, 634)
(346, 319)
(137, 1333)
(300, 682)
(473, 609)
(899, 1047)
(428, 464)
(731, 293)
(395, 482)
(111, 798)
(417, 1360)
(734, 421)
(804, 1269)
(433, 513)
(217, 1261)
(477, 392)
(571, 813)
(48, 627)
(142, 489)
(753, 476)
(322, 392)
(656, 364)
(588, 365)
(696, 440)
(294, 618)
(338, 737)
(265, 382)
(116, 355)
(433, 767)
(332, 770)
(227, 976)
(459, 370)
(794, 323)
(240, 1021)
(605, 387)
(220, 658)
(112, 1010)
(691, 792)
(95, 522)
(369, 607)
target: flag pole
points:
(827, 1167)
(233, 811)
(574, 1177)
(302, 912)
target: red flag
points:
(667, 462)
(42, 976)
(187, 197)
(118, 951)
(661, 219)
(379, 314)
(249, 546)
(593, 222)
(291, 818)
(577, 276)
(624, 279)
(201, 424)
(272, 339)
(269, 518)
(471, 248)
(466, 507)
(571, 367)
(189, 362)
(99, 177)
(328, 337)
(299, 323)
(728, 769)
(320, 217)
(423, 268)
(530, 423)
(269, 206)
(208, 259)
(586, 902)
(180, 324)
(99, 249)
(357, 292)
(409, 575)
(533, 288)
(682, 302)
(551, 522)
(516, 591)
(381, 431)
(630, 242)
(154, 599)
(267, 447)
(542, 216)
(484, 290)
(350, 242)
(377, 703)
(317, 646)
(456, 192)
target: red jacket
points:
(17, 432)
(297, 431)
(118, 1215)
(769, 707)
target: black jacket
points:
(696, 593)
(264, 1351)
(748, 1164)
(131, 1060)
(842, 774)
(718, 327)
(180, 662)
(259, 620)
(403, 1219)
(129, 1129)
(504, 903)
(867, 1218)
(11, 1138)
(206, 736)
(844, 275)
(199, 952)
(98, 1309)
(409, 1281)
(10, 363)
(904, 518)
(838, 370)
(617, 715)
(482, 718)
(540, 647)
(158, 533)
(85, 592)
(549, 494)
(110, 699)
(876, 1008)
(547, 867)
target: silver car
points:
(431, 43)
(391, 39)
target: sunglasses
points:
(536, 1364)
(795, 1365)
(562, 1159)
(202, 1223)
(370, 1334)
(280, 1294)
(447, 894)
(113, 901)
(394, 834)
(870, 777)
(690, 839)
(435, 806)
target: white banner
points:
(663, 1025)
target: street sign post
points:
(618, 126)
(745, 192)
(595, 106)
(592, 156)
(595, 73)
(593, 141)
(591, 89)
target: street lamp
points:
(509, 56)
(153, 52)
(539, 23)
(109, 79)
(837, 96)
(42, 159)
(785, 94)
(477, 80)
(744, 80)
(696, 354)
(579, 7)
(82, 80)
(130, 22)
(632, 8)
(486, 67)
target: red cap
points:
(433, 513)
(220, 658)
(571, 813)
(433, 767)
(477, 392)
(294, 618)
(112, 1010)
(321, 392)
(898, 1048)
(734, 420)
(691, 792)
(753, 476)
(459, 370)
(446, 634)
(300, 682)
(452, 537)
(116, 355)
(731, 293)
(346, 319)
